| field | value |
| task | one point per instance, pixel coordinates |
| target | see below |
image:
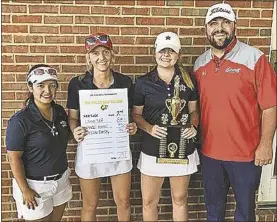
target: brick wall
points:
(53, 31)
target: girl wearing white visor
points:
(36, 140)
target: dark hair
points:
(30, 84)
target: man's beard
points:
(227, 41)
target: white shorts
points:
(98, 170)
(148, 166)
(52, 193)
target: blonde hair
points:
(186, 77)
(90, 66)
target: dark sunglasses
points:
(93, 39)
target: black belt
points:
(42, 178)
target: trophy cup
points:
(172, 148)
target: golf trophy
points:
(172, 148)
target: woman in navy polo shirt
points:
(36, 140)
(151, 91)
(99, 75)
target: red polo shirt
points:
(233, 92)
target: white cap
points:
(223, 10)
(168, 40)
(33, 78)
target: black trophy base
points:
(172, 161)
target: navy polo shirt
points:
(151, 92)
(85, 81)
(43, 153)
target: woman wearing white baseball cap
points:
(36, 141)
(151, 92)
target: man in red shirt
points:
(237, 88)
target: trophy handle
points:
(167, 102)
(183, 103)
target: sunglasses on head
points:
(101, 38)
(43, 70)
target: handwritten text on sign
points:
(104, 113)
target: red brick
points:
(14, 28)
(240, 4)
(123, 40)
(193, 12)
(179, 21)
(28, 39)
(134, 69)
(73, 68)
(60, 59)
(124, 60)
(135, 11)
(243, 22)
(206, 3)
(58, 19)
(14, 68)
(105, 10)
(73, 49)
(44, 49)
(6, 207)
(59, 1)
(28, 1)
(259, 41)
(44, 29)
(165, 11)
(81, 59)
(145, 59)
(6, 18)
(59, 39)
(263, 4)
(21, 95)
(14, 49)
(7, 59)
(200, 41)
(151, 2)
(155, 31)
(249, 13)
(150, 21)
(8, 77)
(27, 59)
(121, 2)
(74, 30)
(145, 40)
(74, 9)
(6, 38)
(105, 29)
(199, 21)
(247, 32)
(267, 14)
(134, 31)
(26, 19)
(192, 31)
(133, 50)
(33, 9)
(95, 2)
(5, 190)
(89, 19)
(180, 3)
(9, 8)
(8, 96)
(260, 23)
(120, 21)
